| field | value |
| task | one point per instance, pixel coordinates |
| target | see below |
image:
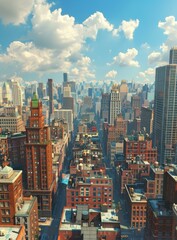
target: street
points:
(51, 232)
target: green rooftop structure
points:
(35, 101)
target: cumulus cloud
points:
(170, 28)
(82, 71)
(111, 74)
(29, 58)
(164, 48)
(56, 41)
(15, 12)
(148, 72)
(128, 28)
(147, 75)
(127, 59)
(94, 23)
(62, 31)
(154, 57)
(54, 30)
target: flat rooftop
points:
(66, 220)
(106, 217)
(136, 194)
(26, 208)
(9, 175)
(109, 216)
(10, 232)
(159, 208)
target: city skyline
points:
(95, 41)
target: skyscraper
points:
(16, 94)
(50, 94)
(67, 91)
(165, 109)
(115, 104)
(105, 106)
(40, 180)
(65, 79)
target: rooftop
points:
(26, 207)
(10, 232)
(136, 193)
(159, 208)
(109, 216)
(8, 175)
(68, 222)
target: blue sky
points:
(92, 40)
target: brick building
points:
(93, 191)
(136, 204)
(3, 149)
(133, 171)
(139, 145)
(14, 208)
(16, 146)
(174, 209)
(41, 181)
(154, 183)
(161, 213)
(170, 193)
(159, 221)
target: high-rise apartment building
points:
(165, 109)
(40, 179)
(115, 104)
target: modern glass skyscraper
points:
(165, 109)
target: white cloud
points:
(147, 75)
(170, 28)
(145, 45)
(75, 71)
(15, 12)
(164, 48)
(154, 57)
(128, 28)
(159, 58)
(51, 29)
(56, 42)
(82, 71)
(127, 59)
(148, 72)
(28, 58)
(111, 74)
(94, 23)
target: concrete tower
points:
(115, 104)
